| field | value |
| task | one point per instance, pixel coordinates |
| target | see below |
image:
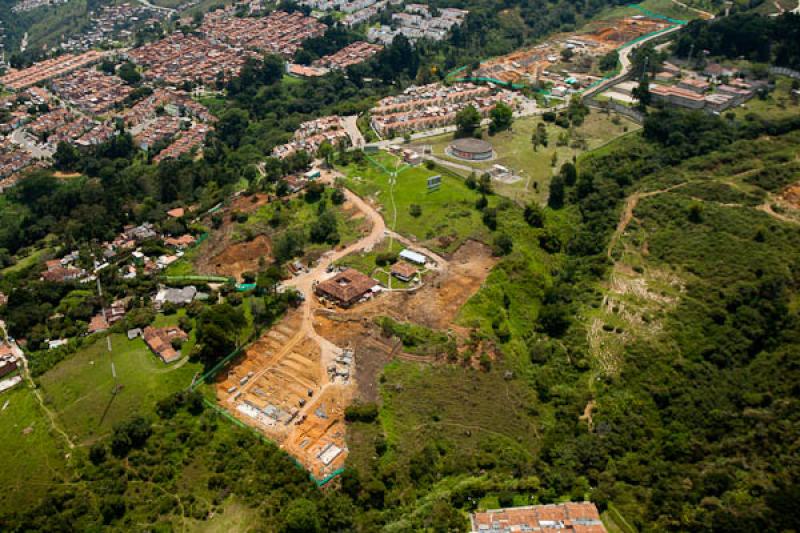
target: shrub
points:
(361, 412)
(502, 245)
(385, 258)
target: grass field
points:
(79, 389)
(26, 262)
(32, 457)
(777, 105)
(515, 151)
(448, 215)
(464, 421)
(300, 215)
(665, 8)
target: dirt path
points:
(704, 14)
(26, 374)
(627, 214)
(767, 208)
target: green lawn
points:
(299, 214)
(25, 262)
(32, 456)
(777, 105)
(515, 151)
(448, 215)
(666, 8)
(79, 389)
(365, 262)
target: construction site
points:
(294, 382)
(550, 63)
(294, 390)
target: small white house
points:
(413, 257)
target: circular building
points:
(471, 149)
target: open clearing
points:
(79, 389)
(515, 151)
(240, 257)
(294, 383)
(33, 458)
(238, 247)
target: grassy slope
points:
(661, 7)
(31, 455)
(448, 212)
(79, 389)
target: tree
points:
(444, 518)
(609, 61)
(534, 215)
(217, 332)
(415, 210)
(288, 245)
(337, 196)
(302, 516)
(468, 122)
(554, 319)
(66, 157)
(326, 152)
(232, 125)
(568, 173)
(642, 92)
(325, 229)
(556, 198)
(485, 184)
(97, 453)
(490, 218)
(539, 137)
(567, 54)
(130, 434)
(502, 245)
(128, 73)
(268, 280)
(502, 117)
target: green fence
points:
(517, 86)
(200, 278)
(386, 170)
(225, 414)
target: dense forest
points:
(747, 36)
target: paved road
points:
(351, 126)
(154, 7)
(28, 143)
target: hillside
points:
(288, 328)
